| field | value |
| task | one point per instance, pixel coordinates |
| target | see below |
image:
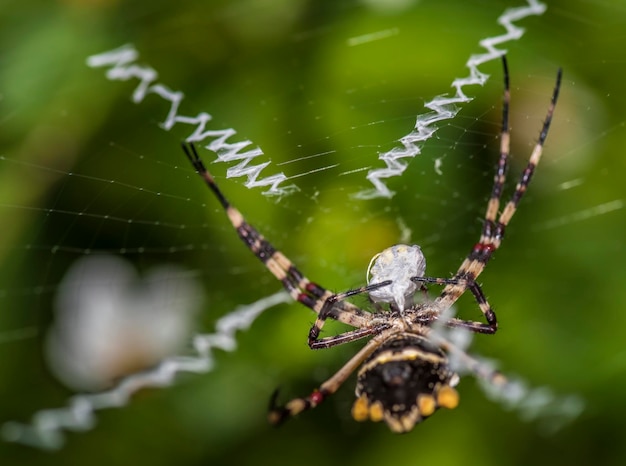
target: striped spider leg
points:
(493, 230)
(299, 287)
(404, 257)
(404, 371)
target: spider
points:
(406, 368)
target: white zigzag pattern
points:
(122, 62)
(46, 429)
(443, 107)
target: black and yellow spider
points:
(405, 370)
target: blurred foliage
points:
(283, 74)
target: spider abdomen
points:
(403, 382)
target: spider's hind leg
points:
(278, 414)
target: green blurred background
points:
(287, 76)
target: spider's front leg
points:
(494, 226)
(299, 286)
(455, 287)
(278, 414)
(334, 307)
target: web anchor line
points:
(122, 66)
(445, 107)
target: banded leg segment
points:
(493, 230)
(499, 177)
(278, 414)
(525, 178)
(299, 287)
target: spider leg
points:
(299, 287)
(478, 327)
(278, 414)
(493, 230)
(346, 337)
(527, 174)
(329, 309)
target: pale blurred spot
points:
(110, 322)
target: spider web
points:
(313, 129)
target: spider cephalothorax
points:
(400, 264)
(405, 373)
